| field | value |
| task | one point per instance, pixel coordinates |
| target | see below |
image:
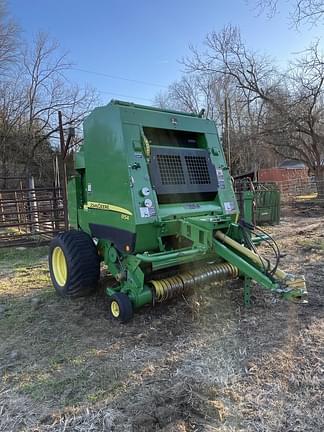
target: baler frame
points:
(217, 246)
(144, 206)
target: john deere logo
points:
(174, 121)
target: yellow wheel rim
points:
(59, 266)
(115, 310)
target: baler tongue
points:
(294, 288)
(289, 286)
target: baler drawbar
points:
(152, 199)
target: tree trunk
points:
(4, 173)
(319, 180)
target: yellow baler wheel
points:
(115, 310)
(74, 263)
(59, 266)
(120, 307)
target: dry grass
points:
(204, 363)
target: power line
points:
(120, 78)
(126, 96)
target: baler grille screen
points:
(197, 169)
(171, 171)
(175, 171)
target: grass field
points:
(200, 363)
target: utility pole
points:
(63, 169)
(227, 132)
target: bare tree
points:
(292, 119)
(302, 11)
(30, 98)
(11, 113)
(8, 39)
(224, 102)
(191, 93)
(47, 91)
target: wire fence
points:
(298, 191)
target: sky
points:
(141, 42)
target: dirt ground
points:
(200, 363)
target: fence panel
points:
(30, 216)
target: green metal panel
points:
(74, 201)
(259, 202)
(106, 158)
(267, 203)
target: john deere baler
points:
(153, 199)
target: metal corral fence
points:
(29, 215)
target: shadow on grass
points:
(190, 359)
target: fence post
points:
(33, 205)
(3, 217)
(18, 211)
(56, 212)
(23, 206)
(63, 170)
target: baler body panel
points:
(119, 177)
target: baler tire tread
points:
(125, 305)
(83, 263)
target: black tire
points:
(82, 268)
(125, 307)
